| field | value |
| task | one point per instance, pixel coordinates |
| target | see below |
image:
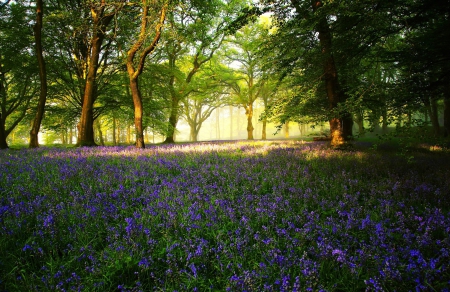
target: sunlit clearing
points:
(238, 148)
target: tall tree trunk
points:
(70, 135)
(100, 133)
(435, 117)
(3, 144)
(249, 114)
(87, 112)
(119, 132)
(286, 129)
(447, 108)
(264, 129)
(238, 124)
(63, 137)
(194, 134)
(78, 133)
(384, 122)
(341, 125)
(431, 107)
(231, 122)
(42, 76)
(134, 73)
(173, 120)
(138, 113)
(114, 132)
(129, 135)
(376, 122)
(360, 123)
(99, 27)
(218, 123)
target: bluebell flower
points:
(193, 269)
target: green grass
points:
(237, 216)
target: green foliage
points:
(18, 67)
(389, 55)
(391, 58)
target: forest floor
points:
(276, 215)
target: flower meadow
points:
(224, 216)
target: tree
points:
(102, 14)
(139, 48)
(17, 68)
(267, 96)
(423, 58)
(198, 108)
(319, 17)
(348, 39)
(208, 93)
(196, 31)
(244, 52)
(340, 126)
(42, 76)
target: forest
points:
(224, 145)
(96, 72)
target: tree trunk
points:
(99, 26)
(360, 123)
(70, 135)
(3, 144)
(87, 112)
(249, 114)
(218, 124)
(173, 120)
(63, 137)
(384, 123)
(78, 133)
(129, 134)
(114, 132)
(42, 76)
(341, 125)
(134, 73)
(264, 131)
(119, 132)
(434, 117)
(447, 109)
(376, 122)
(286, 129)
(231, 122)
(138, 112)
(193, 134)
(409, 116)
(100, 133)
(431, 107)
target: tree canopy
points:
(357, 65)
